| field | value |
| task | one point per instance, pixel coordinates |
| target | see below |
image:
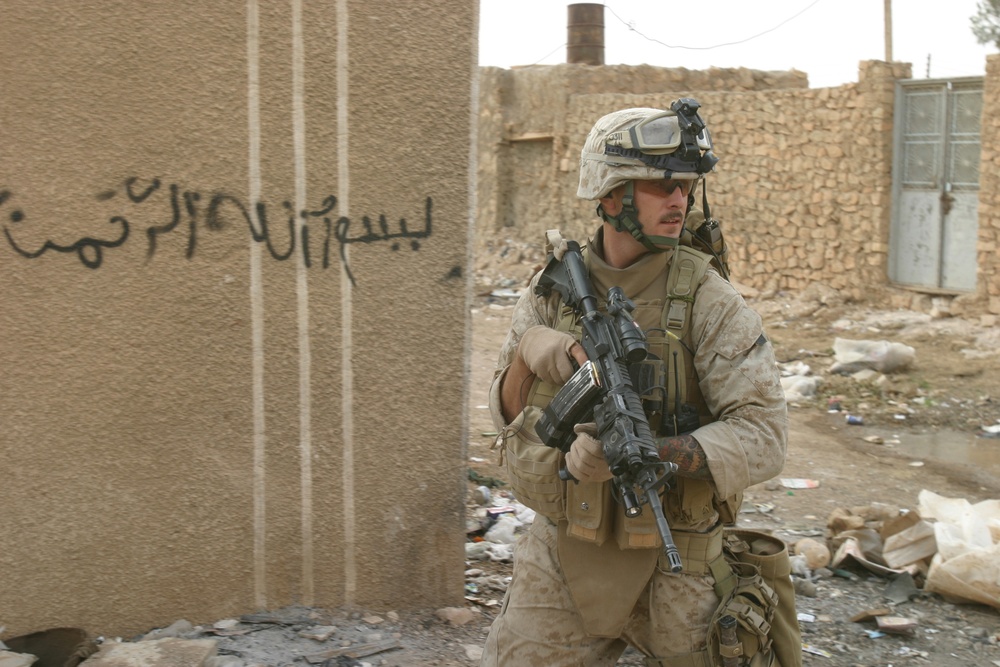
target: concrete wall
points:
(234, 277)
(803, 189)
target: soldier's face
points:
(661, 204)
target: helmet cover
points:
(643, 143)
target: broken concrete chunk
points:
(11, 659)
(896, 624)
(175, 629)
(168, 652)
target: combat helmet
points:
(644, 144)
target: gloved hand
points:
(546, 353)
(585, 460)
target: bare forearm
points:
(514, 389)
(517, 382)
(687, 453)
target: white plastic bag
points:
(967, 564)
(800, 387)
(852, 356)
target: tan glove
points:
(585, 460)
(546, 353)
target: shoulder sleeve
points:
(739, 378)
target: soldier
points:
(589, 581)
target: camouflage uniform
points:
(573, 602)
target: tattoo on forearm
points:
(685, 451)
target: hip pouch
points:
(756, 624)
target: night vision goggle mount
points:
(694, 135)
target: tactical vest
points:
(672, 399)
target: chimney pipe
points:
(585, 43)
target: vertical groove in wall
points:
(256, 306)
(470, 230)
(347, 381)
(302, 293)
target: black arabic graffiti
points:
(343, 225)
(186, 205)
(90, 250)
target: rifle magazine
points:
(568, 407)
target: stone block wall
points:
(988, 279)
(803, 188)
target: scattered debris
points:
(457, 615)
(967, 564)
(816, 553)
(799, 483)
(883, 356)
(359, 651)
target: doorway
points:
(934, 229)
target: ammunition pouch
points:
(532, 466)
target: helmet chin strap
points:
(628, 221)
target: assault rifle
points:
(603, 387)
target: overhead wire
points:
(631, 26)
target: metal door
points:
(932, 238)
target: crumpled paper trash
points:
(966, 567)
(851, 356)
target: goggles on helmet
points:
(658, 134)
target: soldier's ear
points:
(611, 205)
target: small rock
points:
(482, 495)
(805, 587)
(457, 615)
(817, 553)
(319, 633)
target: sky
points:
(826, 39)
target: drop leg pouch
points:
(761, 597)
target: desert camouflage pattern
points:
(738, 375)
(600, 173)
(540, 623)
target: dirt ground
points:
(923, 429)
